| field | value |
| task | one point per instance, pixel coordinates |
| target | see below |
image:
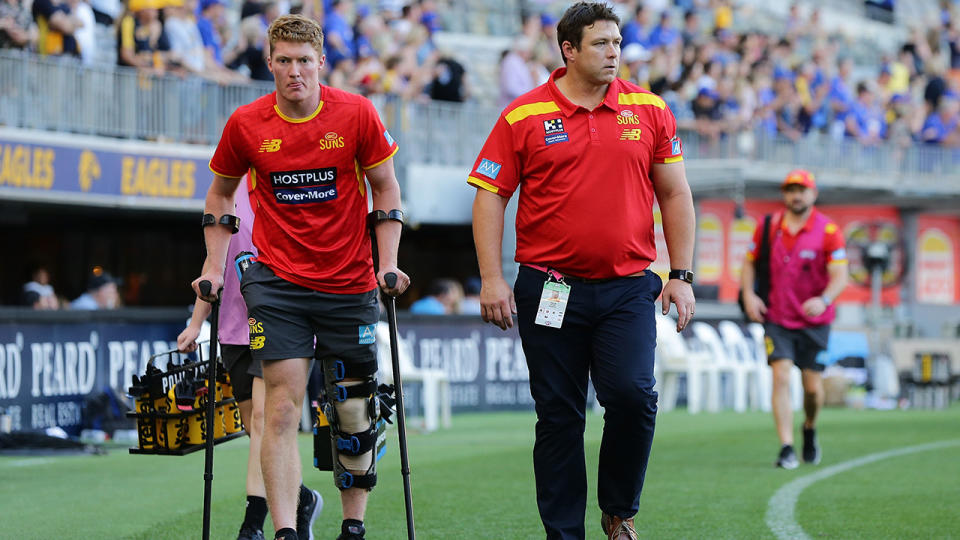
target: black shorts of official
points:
(242, 369)
(290, 321)
(802, 345)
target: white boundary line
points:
(781, 507)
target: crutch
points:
(211, 398)
(373, 219)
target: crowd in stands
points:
(383, 51)
(718, 80)
(798, 82)
(102, 292)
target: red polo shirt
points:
(586, 201)
(308, 188)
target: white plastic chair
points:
(674, 358)
(796, 380)
(435, 395)
(707, 335)
(742, 350)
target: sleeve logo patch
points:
(386, 135)
(488, 168)
(839, 254)
(676, 147)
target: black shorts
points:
(242, 369)
(801, 345)
(290, 321)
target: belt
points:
(578, 279)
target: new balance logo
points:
(630, 134)
(270, 145)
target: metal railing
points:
(60, 95)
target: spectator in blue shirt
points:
(338, 33)
(866, 122)
(443, 298)
(101, 293)
(636, 30)
(941, 126)
(664, 34)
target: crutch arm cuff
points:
(379, 215)
(229, 221)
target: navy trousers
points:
(609, 334)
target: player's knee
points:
(255, 426)
(354, 421)
(351, 406)
(281, 416)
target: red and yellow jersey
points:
(586, 201)
(308, 188)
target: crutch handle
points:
(390, 279)
(205, 287)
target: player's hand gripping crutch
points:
(390, 279)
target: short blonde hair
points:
(296, 29)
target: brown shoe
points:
(617, 528)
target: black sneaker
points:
(307, 512)
(811, 450)
(787, 458)
(351, 529)
(286, 534)
(249, 533)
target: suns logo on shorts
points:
(769, 343)
(256, 327)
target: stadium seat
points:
(435, 395)
(674, 358)
(742, 350)
(726, 365)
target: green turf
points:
(710, 476)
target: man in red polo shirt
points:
(312, 293)
(808, 270)
(590, 152)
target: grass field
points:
(710, 476)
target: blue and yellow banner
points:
(84, 170)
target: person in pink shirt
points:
(246, 377)
(808, 270)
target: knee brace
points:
(357, 432)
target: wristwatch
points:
(682, 275)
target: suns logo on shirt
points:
(270, 145)
(330, 140)
(627, 117)
(630, 134)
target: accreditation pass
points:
(553, 304)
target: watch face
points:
(684, 275)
